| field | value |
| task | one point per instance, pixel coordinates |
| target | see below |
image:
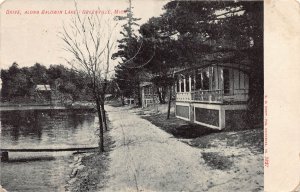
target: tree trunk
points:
(104, 117)
(101, 140)
(169, 103)
(139, 96)
(163, 95)
(122, 100)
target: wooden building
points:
(43, 93)
(214, 95)
(149, 95)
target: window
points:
(182, 85)
(226, 81)
(205, 79)
(202, 79)
(187, 84)
(198, 80)
(215, 78)
(177, 86)
(193, 83)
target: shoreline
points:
(29, 107)
(41, 107)
(89, 169)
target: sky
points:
(30, 38)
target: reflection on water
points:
(47, 128)
(43, 129)
(48, 174)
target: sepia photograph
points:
(132, 95)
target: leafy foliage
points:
(195, 33)
(21, 82)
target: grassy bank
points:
(89, 174)
(234, 159)
(203, 137)
(238, 153)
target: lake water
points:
(33, 129)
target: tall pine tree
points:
(127, 71)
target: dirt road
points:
(146, 158)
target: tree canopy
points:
(127, 71)
(21, 82)
(192, 33)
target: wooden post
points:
(217, 75)
(143, 97)
(180, 81)
(184, 84)
(239, 77)
(4, 156)
(190, 84)
(169, 102)
(195, 82)
(201, 80)
(232, 70)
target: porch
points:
(213, 84)
(213, 96)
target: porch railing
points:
(150, 96)
(214, 96)
(184, 96)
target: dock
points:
(5, 156)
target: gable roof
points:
(145, 83)
(43, 88)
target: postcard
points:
(158, 95)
